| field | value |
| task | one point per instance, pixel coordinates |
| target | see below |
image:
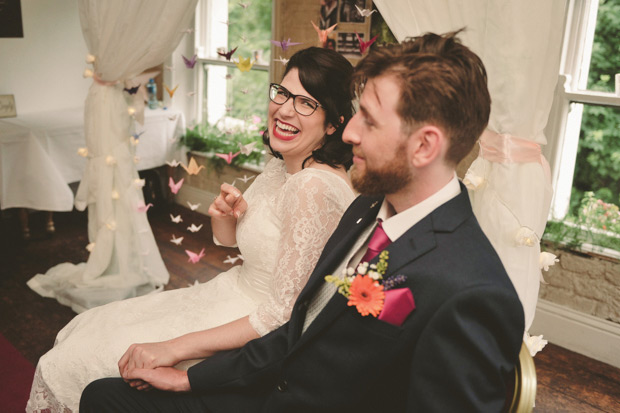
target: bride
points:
(280, 225)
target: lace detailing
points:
(42, 400)
(310, 205)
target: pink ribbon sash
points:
(505, 148)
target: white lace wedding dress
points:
(281, 235)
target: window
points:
(226, 91)
(585, 120)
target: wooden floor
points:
(567, 382)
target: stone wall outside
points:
(584, 282)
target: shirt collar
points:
(396, 225)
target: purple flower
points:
(393, 281)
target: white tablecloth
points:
(39, 154)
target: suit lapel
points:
(421, 238)
(417, 241)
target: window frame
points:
(565, 118)
(207, 16)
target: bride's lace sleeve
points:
(311, 205)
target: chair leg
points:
(49, 225)
(23, 223)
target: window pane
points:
(250, 29)
(598, 157)
(605, 61)
(232, 93)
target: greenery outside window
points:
(585, 122)
(232, 108)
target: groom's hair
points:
(442, 82)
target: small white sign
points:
(7, 106)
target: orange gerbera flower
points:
(367, 295)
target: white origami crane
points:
(193, 207)
(176, 219)
(194, 228)
(230, 260)
(173, 163)
(364, 12)
(176, 240)
(247, 149)
(246, 178)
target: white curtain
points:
(124, 38)
(519, 42)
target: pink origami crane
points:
(174, 187)
(193, 257)
(323, 33)
(144, 208)
(228, 157)
(365, 45)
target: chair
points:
(524, 392)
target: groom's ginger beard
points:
(389, 178)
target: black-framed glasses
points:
(303, 105)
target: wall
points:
(584, 283)
(579, 306)
(44, 68)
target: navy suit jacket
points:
(452, 353)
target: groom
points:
(449, 325)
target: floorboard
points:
(567, 381)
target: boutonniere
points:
(372, 295)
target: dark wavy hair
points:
(326, 75)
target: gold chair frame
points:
(524, 394)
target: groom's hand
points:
(162, 378)
(146, 356)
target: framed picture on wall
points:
(11, 19)
(352, 25)
(7, 106)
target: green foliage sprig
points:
(596, 223)
(212, 139)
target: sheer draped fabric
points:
(281, 235)
(125, 38)
(520, 44)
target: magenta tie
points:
(378, 242)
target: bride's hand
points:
(146, 356)
(229, 203)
